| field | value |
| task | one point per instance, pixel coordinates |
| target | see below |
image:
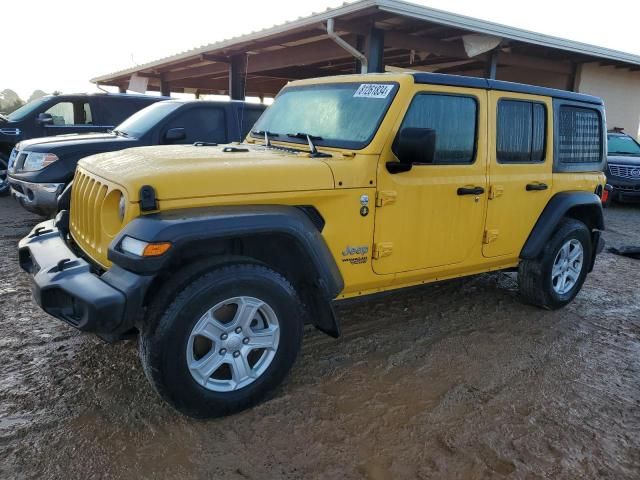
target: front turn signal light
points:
(141, 248)
(156, 249)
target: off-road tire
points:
(4, 182)
(534, 276)
(164, 336)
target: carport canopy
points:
(373, 36)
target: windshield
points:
(144, 120)
(26, 110)
(343, 115)
(622, 145)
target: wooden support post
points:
(375, 50)
(165, 89)
(492, 66)
(237, 76)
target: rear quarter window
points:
(579, 138)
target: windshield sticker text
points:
(373, 90)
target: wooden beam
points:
(210, 57)
(424, 44)
(201, 71)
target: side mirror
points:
(413, 146)
(175, 134)
(45, 119)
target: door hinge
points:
(490, 235)
(382, 249)
(495, 191)
(385, 198)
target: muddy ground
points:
(457, 380)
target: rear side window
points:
(521, 128)
(454, 120)
(579, 135)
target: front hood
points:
(61, 143)
(185, 171)
(623, 160)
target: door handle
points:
(531, 187)
(470, 191)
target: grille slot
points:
(87, 196)
(625, 171)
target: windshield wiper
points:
(304, 136)
(312, 147)
(265, 132)
(120, 133)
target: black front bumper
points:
(68, 287)
(624, 190)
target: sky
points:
(60, 45)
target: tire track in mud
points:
(451, 380)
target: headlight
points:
(37, 161)
(140, 248)
(122, 207)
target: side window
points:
(201, 125)
(453, 118)
(62, 113)
(521, 128)
(579, 135)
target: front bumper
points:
(40, 198)
(67, 287)
(624, 189)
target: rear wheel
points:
(554, 278)
(4, 177)
(225, 342)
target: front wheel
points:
(554, 278)
(4, 175)
(228, 338)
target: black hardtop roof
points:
(106, 94)
(476, 82)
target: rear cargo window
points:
(579, 135)
(521, 130)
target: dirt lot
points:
(458, 380)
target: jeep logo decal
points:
(362, 250)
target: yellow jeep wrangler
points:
(347, 186)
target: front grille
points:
(625, 171)
(87, 195)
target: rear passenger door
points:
(520, 169)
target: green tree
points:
(9, 101)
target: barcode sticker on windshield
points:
(373, 90)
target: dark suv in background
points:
(623, 166)
(39, 169)
(64, 114)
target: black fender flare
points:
(192, 226)
(557, 208)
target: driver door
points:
(432, 216)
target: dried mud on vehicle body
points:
(453, 380)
